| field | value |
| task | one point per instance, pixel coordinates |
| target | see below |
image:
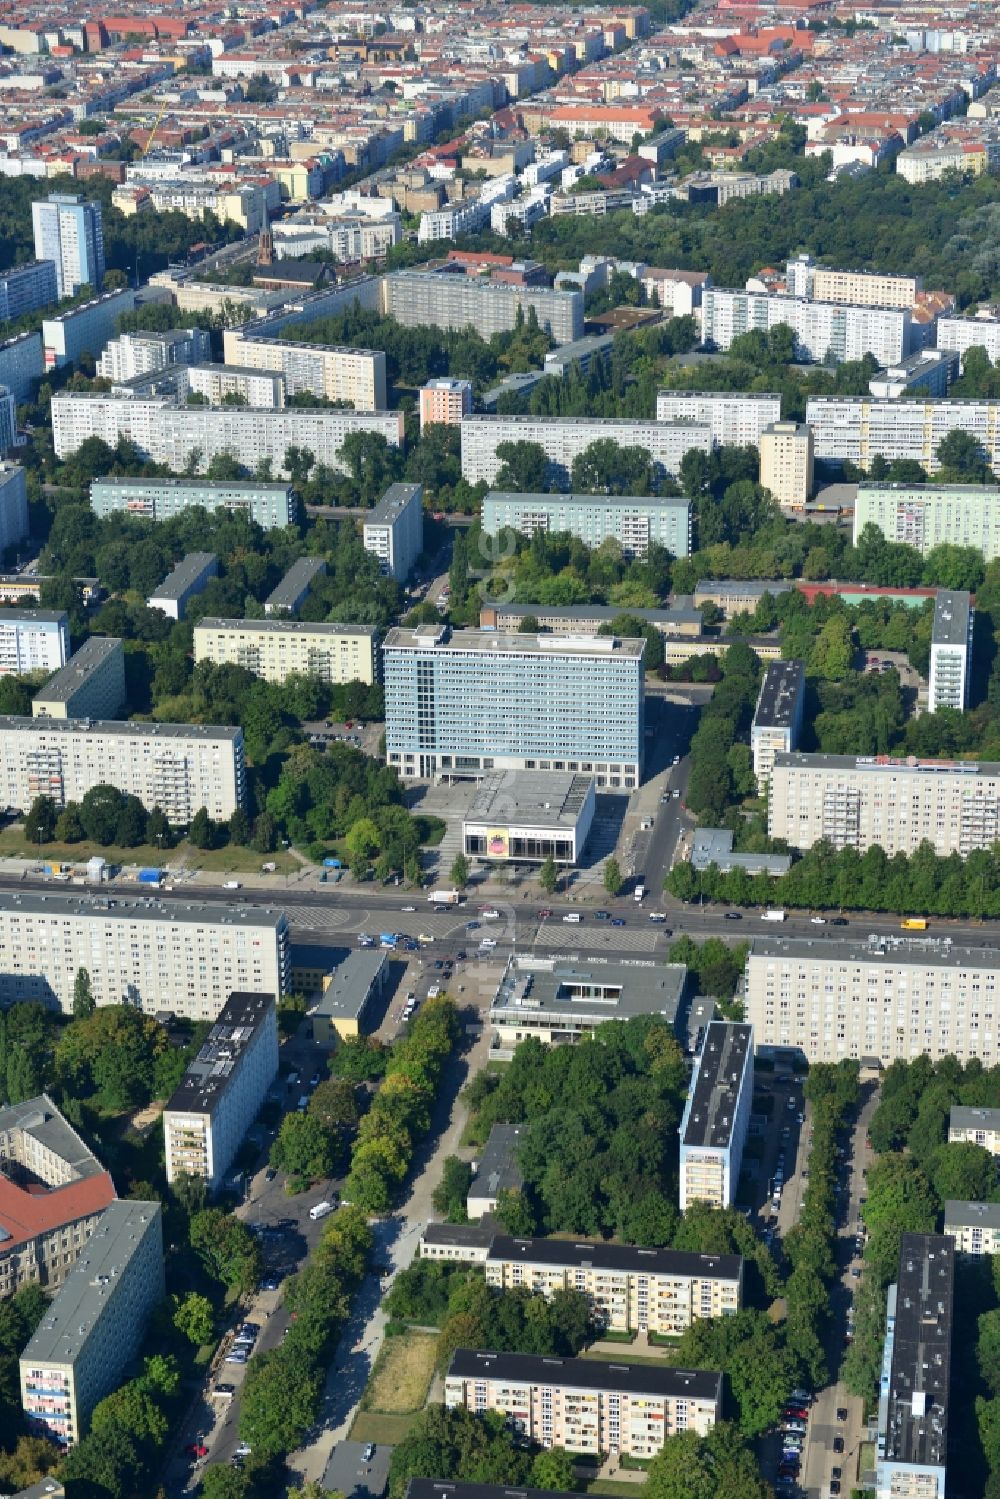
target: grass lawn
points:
(402, 1375)
(626, 1356)
(13, 845)
(610, 1486)
(371, 1426)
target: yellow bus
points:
(914, 923)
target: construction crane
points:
(155, 128)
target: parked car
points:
(618, 921)
(196, 1449)
(368, 1453)
(838, 1444)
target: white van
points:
(572, 916)
(321, 1210)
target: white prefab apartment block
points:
(736, 418)
(822, 330)
(145, 353)
(786, 462)
(70, 232)
(926, 515)
(33, 640)
(84, 329)
(975, 1126)
(857, 801)
(963, 333)
(275, 648)
(394, 532)
(268, 505)
(459, 704)
(151, 954)
(894, 997)
(340, 374)
(13, 505)
(422, 298)
(564, 438)
(90, 685)
(25, 288)
(176, 767)
(973, 1227)
(295, 586)
(585, 1405)
(911, 1448)
(777, 719)
(222, 1090)
(856, 429)
(93, 1329)
(716, 1116)
(220, 384)
(632, 520)
(187, 579)
(951, 650)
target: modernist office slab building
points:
(33, 640)
(914, 1388)
(94, 1327)
(716, 1116)
(558, 1002)
(156, 955)
(222, 1090)
(275, 648)
(459, 704)
(161, 499)
(90, 685)
(632, 520)
(777, 719)
(529, 816)
(951, 650)
(585, 1405)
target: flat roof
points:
(743, 396)
(585, 994)
(884, 765)
(283, 626)
(915, 1407)
(739, 586)
(63, 1331)
(392, 504)
(599, 423)
(498, 1170)
(782, 687)
(467, 1235)
(349, 990)
(964, 1116)
(185, 575)
(884, 948)
(33, 616)
(542, 798)
(952, 608)
(123, 728)
(134, 908)
(67, 681)
(972, 491)
(586, 1374)
(247, 486)
(579, 501)
(295, 345)
(444, 640)
(972, 1214)
(624, 1257)
(299, 576)
(715, 1086)
(209, 1073)
(675, 615)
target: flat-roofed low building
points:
(294, 587)
(394, 532)
(585, 1405)
(529, 816)
(53, 1191)
(496, 1170)
(951, 650)
(777, 719)
(586, 619)
(222, 1090)
(33, 640)
(634, 521)
(90, 685)
(973, 1125)
(973, 1226)
(94, 1327)
(558, 1001)
(715, 846)
(161, 499)
(349, 996)
(914, 1405)
(276, 648)
(716, 1116)
(184, 583)
(736, 595)
(457, 1243)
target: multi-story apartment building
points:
(22, 362)
(8, 420)
(927, 515)
(677, 292)
(296, 585)
(585, 1405)
(275, 648)
(632, 520)
(858, 288)
(737, 418)
(629, 1290)
(184, 582)
(223, 384)
(914, 1405)
(559, 1003)
(460, 703)
(179, 768)
(90, 685)
(340, 374)
(52, 1194)
(33, 640)
(951, 650)
(167, 432)
(94, 1327)
(857, 801)
(975, 1126)
(564, 438)
(929, 372)
(222, 1090)
(963, 333)
(974, 1227)
(13, 505)
(25, 288)
(786, 462)
(70, 232)
(417, 298)
(890, 997)
(84, 329)
(144, 353)
(147, 953)
(268, 505)
(394, 532)
(857, 429)
(777, 719)
(716, 1116)
(445, 401)
(822, 330)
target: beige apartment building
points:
(90, 685)
(276, 648)
(974, 1226)
(857, 288)
(341, 374)
(857, 801)
(584, 1405)
(786, 462)
(975, 1126)
(890, 998)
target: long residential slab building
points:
(340, 374)
(161, 499)
(716, 1116)
(914, 1408)
(737, 418)
(435, 300)
(857, 429)
(276, 648)
(634, 521)
(821, 330)
(892, 997)
(628, 1290)
(929, 515)
(564, 438)
(156, 955)
(858, 801)
(33, 640)
(585, 1405)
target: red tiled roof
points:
(25, 1214)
